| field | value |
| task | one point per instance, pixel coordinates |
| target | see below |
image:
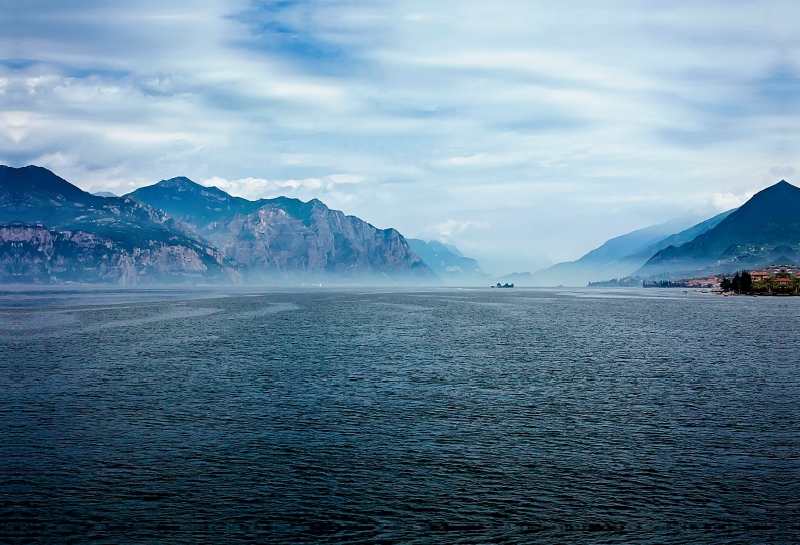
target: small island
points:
(499, 285)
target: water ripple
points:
(492, 416)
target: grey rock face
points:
(178, 231)
(33, 253)
(51, 232)
(270, 239)
(279, 237)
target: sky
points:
(523, 132)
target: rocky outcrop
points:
(52, 231)
(269, 239)
(282, 237)
(33, 253)
(179, 231)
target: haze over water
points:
(406, 416)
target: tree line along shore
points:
(775, 280)
(757, 283)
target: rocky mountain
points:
(283, 237)
(621, 256)
(764, 230)
(52, 231)
(449, 263)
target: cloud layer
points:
(513, 129)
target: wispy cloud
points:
(334, 186)
(450, 228)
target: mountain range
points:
(621, 256)
(449, 263)
(282, 238)
(180, 231)
(52, 231)
(763, 231)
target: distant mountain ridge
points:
(764, 229)
(621, 256)
(521, 278)
(52, 231)
(449, 263)
(683, 237)
(180, 231)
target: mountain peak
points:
(782, 185)
(182, 188)
(43, 181)
(180, 182)
(451, 267)
(777, 203)
(748, 238)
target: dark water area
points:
(441, 416)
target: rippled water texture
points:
(448, 416)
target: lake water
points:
(408, 416)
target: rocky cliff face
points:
(270, 239)
(38, 254)
(179, 231)
(275, 237)
(51, 231)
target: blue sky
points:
(520, 131)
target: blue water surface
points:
(398, 416)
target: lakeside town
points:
(774, 280)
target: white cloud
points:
(451, 227)
(307, 188)
(425, 17)
(726, 201)
(471, 160)
(55, 160)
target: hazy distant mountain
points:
(517, 278)
(103, 194)
(283, 237)
(453, 250)
(449, 263)
(52, 231)
(634, 262)
(763, 230)
(679, 238)
(618, 257)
